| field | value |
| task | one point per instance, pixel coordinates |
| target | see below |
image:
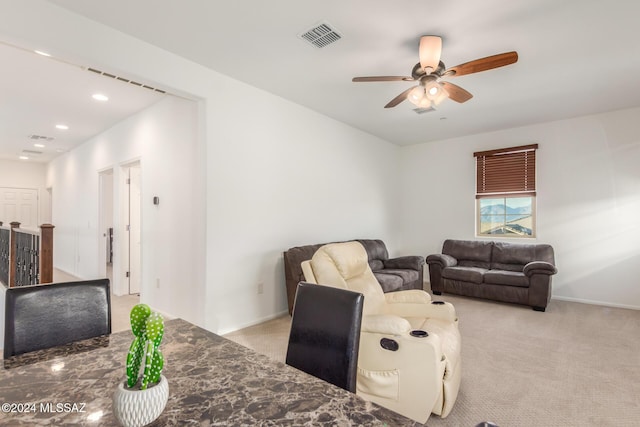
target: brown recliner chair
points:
(409, 357)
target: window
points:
(506, 191)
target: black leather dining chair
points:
(325, 333)
(45, 316)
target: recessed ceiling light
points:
(62, 127)
(23, 158)
(100, 97)
(39, 52)
(39, 145)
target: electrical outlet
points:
(158, 283)
(260, 288)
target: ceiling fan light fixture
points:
(432, 89)
(430, 51)
(442, 95)
(425, 103)
(416, 95)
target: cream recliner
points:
(397, 368)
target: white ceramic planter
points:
(137, 408)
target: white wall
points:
(163, 138)
(25, 174)
(588, 201)
(277, 174)
(291, 177)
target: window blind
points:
(508, 171)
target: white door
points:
(134, 229)
(19, 204)
(105, 220)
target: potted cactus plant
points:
(140, 399)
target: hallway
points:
(120, 305)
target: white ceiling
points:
(38, 93)
(576, 57)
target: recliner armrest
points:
(412, 262)
(539, 267)
(443, 260)
(438, 310)
(415, 296)
(385, 324)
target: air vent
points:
(31, 152)
(423, 110)
(321, 35)
(125, 80)
(40, 137)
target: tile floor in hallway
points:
(120, 305)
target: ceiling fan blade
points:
(456, 93)
(430, 51)
(398, 99)
(383, 79)
(484, 64)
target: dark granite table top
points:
(212, 382)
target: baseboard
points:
(254, 322)
(591, 302)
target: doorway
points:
(132, 204)
(105, 250)
(132, 244)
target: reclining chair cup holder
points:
(389, 344)
(419, 333)
(437, 302)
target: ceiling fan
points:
(430, 71)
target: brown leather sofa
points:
(507, 272)
(393, 274)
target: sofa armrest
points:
(442, 260)
(412, 262)
(539, 267)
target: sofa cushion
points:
(389, 282)
(464, 274)
(513, 256)
(469, 253)
(376, 264)
(508, 278)
(406, 275)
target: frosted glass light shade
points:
(416, 95)
(441, 96)
(430, 51)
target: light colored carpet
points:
(574, 365)
(270, 338)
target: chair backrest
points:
(44, 316)
(307, 270)
(325, 334)
(345, 265)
